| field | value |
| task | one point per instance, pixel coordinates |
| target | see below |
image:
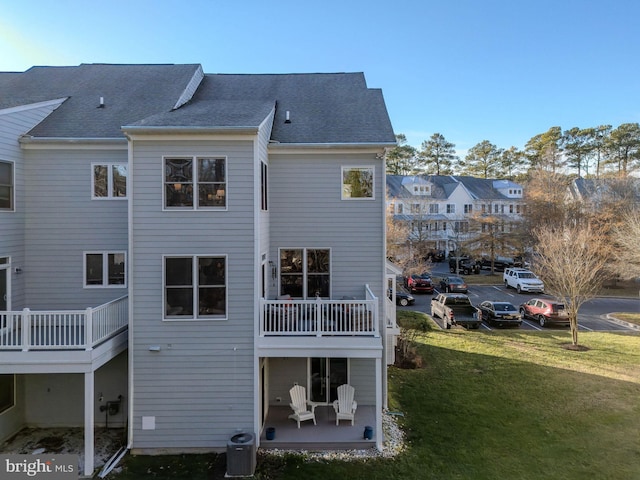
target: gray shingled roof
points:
(130, 92)
(444, 185)
(324, 108)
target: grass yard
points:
(497, 405)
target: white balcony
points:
(319, 318)
(28, 330)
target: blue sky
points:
(497, 70)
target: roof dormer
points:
(508, 188)
(417, 186)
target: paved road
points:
(591, 317)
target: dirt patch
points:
(65, 441)
(575, 348)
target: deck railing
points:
(319, 317)
(62, 330)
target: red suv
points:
(419, 283)
(545, 311)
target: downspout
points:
(130, 289)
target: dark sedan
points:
(404, 298)
(502, 314)
(453, 284)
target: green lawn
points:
(497, 405)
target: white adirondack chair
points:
(345, 406)
(300, 405)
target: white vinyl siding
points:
(306, 210)
(64, 223)
(14, 123)
(207, 367)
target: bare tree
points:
(571, 260)
(627, 239)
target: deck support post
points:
(379, 406)
(89, 418)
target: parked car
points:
(545, 311)
(522, 280)
(453, 284)
(419, 283)
(456, 309)
(403, 298)
(502, 314)
(464, 265)
(499, 263)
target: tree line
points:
(586, 152)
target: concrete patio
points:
(326, 435)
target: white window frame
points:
(110, 166)
(434, 208)
(451, 208)
(344, 191)
(195, 286)
(12, 187)
(195, 183)
(105, 269)
(305, 273)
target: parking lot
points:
(591, 317)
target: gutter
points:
(31, 140)
(190, 129)
(276, 144)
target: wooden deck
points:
(323, 436)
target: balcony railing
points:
(62, 330)
(319, 317)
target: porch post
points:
(379, 409)
(88, 422)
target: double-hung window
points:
(305, 272)
(195, 287)
(105, 269)
(109, 180)
(6, 185)
(195, 183)
(357, 183)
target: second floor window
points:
(451, 208)
(6, 186)
(105, 269)
(195, 287)
(195, 182)
(468, 208)
(433, 208)
(357, 183)
(109, 180)
(305, 272)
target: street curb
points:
(632, 326)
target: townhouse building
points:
(443, 211)
(178, 249)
